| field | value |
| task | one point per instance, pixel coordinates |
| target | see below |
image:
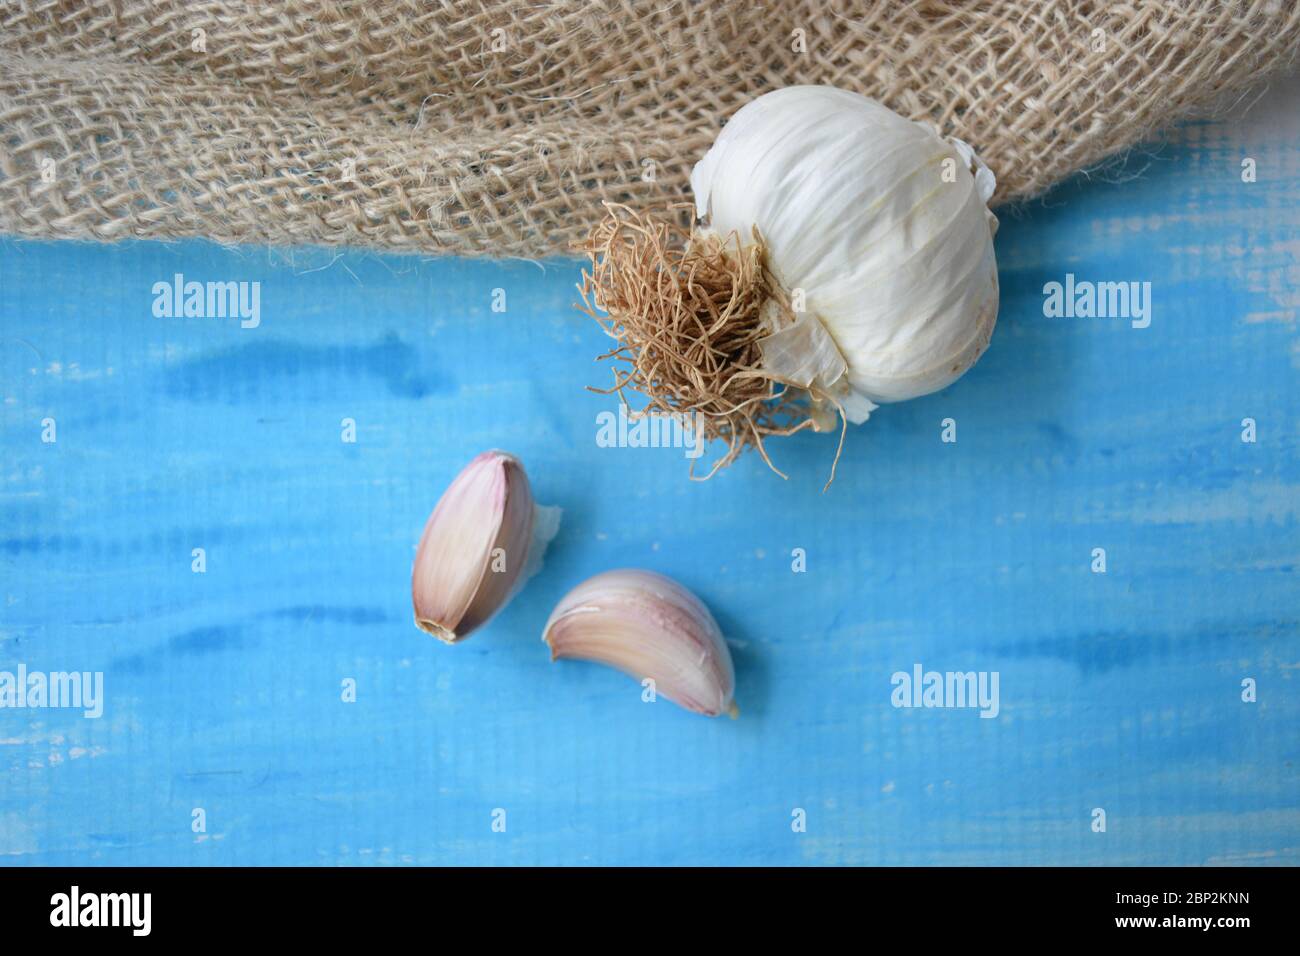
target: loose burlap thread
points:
(497, 127)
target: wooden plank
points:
(1119, 691)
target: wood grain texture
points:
(1119, 690)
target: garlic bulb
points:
(877, 229)
(648, 626)
(484, 539)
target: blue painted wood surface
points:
(1120, 691)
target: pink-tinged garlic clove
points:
(475, 548)
(647, 626)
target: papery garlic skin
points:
(882, 224)
(647, 625)
(478, 545)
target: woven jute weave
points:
(496, 127)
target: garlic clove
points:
(647, 626)
(475, 548)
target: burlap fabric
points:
(496, 127)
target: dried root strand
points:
(685, 310)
